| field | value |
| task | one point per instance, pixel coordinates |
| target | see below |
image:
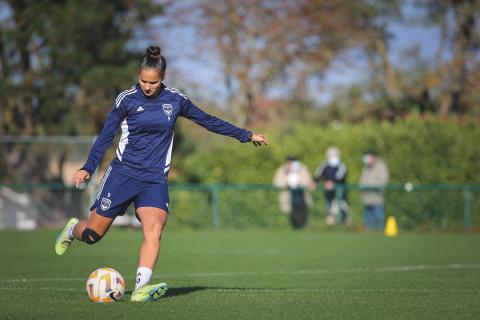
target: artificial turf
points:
(252, 274)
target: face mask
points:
(365, 160)
(333, 161)
(295, 166)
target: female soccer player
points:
(146, 113)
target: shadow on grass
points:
(173, 292)
(181, 291)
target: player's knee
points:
(89, 236)
(154, 236)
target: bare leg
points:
(153, 221)
(95, 222)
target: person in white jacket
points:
(295, 181)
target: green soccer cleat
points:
(63, 241)
(149, 293)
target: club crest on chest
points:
(167, 109)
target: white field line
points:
(267, 273)
(40, 289)
(282, 290)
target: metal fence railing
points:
(432, 206)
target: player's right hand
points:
(80, 176)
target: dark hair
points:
(371, 152)
(153, 59)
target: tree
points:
(61, 63)
(265, 45)
(457, 59)
(375, 17)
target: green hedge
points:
(418, 149)
(253, 206)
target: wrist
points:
(250, 135)
(84, 168)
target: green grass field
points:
(251, 275)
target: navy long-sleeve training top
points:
(145, 147)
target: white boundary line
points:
(39, 289)
(266, 273)
(282, 290)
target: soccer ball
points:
(105, 285)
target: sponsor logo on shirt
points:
(140, 109)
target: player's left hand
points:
(259, 139)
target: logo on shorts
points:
(105, 204)
(167, 109)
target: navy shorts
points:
(117, 191)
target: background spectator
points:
(374, 177)
(295, 180)
(334, 175)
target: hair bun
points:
(154, 52)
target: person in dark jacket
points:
(333, 174)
